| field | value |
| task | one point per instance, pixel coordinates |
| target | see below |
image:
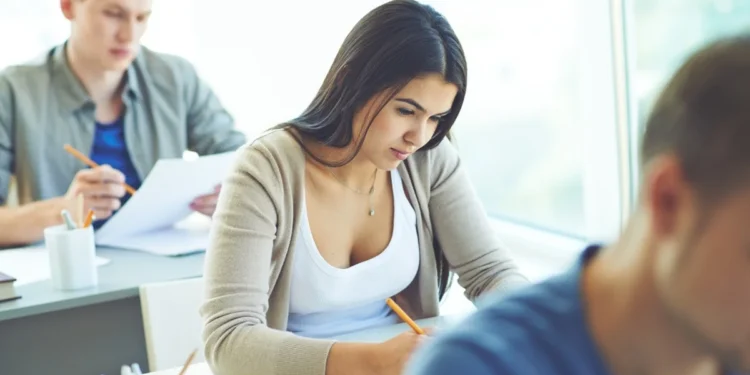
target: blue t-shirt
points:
(110, 148)
(539, 330)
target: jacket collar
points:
(70, 90)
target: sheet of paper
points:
(162, 201)
(30, 264)
(186, 237)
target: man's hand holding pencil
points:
(101, 187)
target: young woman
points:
(359, 199)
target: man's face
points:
(702, 263)
(107, 33)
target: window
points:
(29, 27)
(537, 131)
(264, 62)
(664, 34)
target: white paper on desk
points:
(147, 221)
(187, 236)
(30, 264)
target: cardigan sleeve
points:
(237, 272)
(463, 230)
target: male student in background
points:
(122, 104)
(672, 295)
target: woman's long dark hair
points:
(391, 45)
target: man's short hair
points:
(703, 117)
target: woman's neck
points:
(356, 174)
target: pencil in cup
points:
(89, 218)
(85, 160)
(79, 210)
(400, 312)
(68, 220)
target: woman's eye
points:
(405, 111)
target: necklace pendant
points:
(372, 212)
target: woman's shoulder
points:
(276, 145)
(432, 163)
(274, 153)
(274, 140)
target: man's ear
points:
(66, 6)
(667, 194)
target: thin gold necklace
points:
(357, 191)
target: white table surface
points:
(378, 334)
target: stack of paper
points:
(150, 219)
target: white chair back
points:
(171, 322)
(12, 200)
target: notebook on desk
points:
(8, 288)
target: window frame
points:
(609, 150)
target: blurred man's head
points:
(106, 34)
(696, 198)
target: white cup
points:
(72, 257)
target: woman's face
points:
(406, 123)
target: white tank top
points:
(326, 301)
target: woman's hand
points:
(387, 358)
(391, 356)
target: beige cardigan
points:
(249, 259)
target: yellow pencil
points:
(400, 312)
(187, 363)
(85, 160)
(89, 218)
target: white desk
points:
(379, 334)
(104, 324)
(195, 369)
